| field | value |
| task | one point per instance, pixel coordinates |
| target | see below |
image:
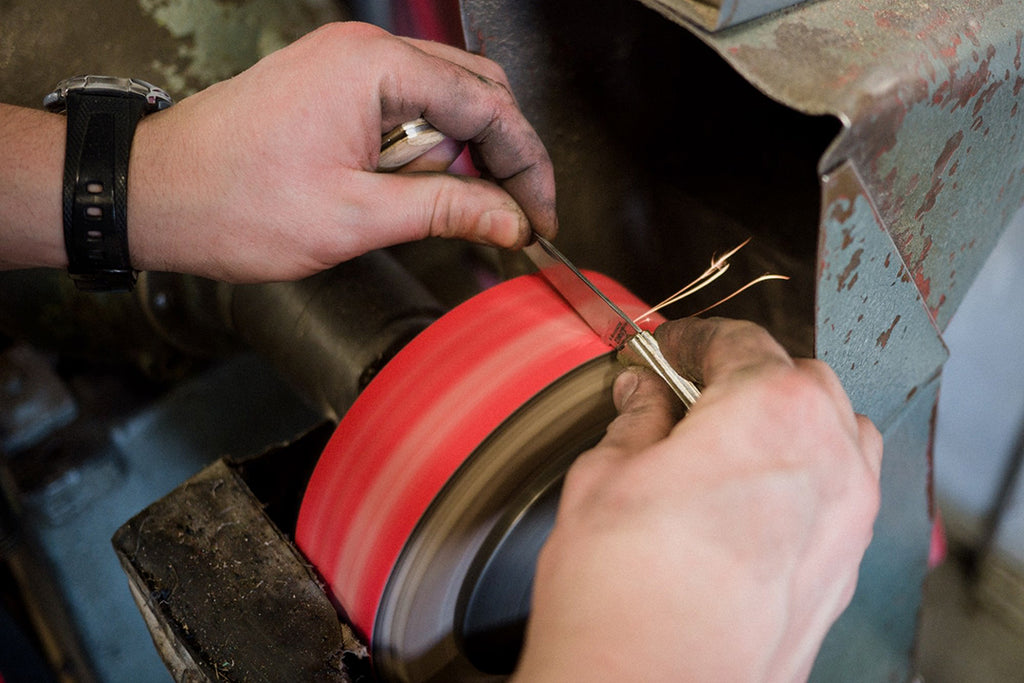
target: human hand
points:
(271, 175)
(721, 547)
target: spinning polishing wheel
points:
(431, 501)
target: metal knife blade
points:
(610, 323)
(414, 138)
(599, 312)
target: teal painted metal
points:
(874, 329)
(929, 97)
(872, 325)
(872, 640)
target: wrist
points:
(150, 177)
(102, 113)
(179, 198)
(31, 168)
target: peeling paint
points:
(919, 86)
(883, 338)
(880, 336)
(952, 145)
(848, 278)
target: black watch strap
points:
(99, 138)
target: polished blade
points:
(599, 312)
(613, 326)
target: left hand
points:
(271, 175)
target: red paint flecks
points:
(925, 250)
(960, 91)
(949, 51)
(913, 182)
(849, 273)
(885, 19)
(952, 145)
(841, 210)
(883, 338)
(929, 198)
(924, 285)
(847, 238)
(986, 95)
(971, 31)
(851, 74)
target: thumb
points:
(444, 205)
(648, 410)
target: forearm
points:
(31, 172)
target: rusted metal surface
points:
(872, 640)
(873, 326)
(929, 98)
(718, 14)
(654, 180)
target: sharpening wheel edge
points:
(504, 390)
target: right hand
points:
(720, 547)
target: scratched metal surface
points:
(873, 326)
(929, 97)
(874, 329)
(718, 14)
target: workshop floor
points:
(972, 632)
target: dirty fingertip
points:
(624, 387)
(503, 227)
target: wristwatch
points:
(102, 113)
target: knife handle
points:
(644, 345)
(406, 143)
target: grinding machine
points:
(871, 152)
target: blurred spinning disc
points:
(429, 504)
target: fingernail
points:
(624, 387)
(501, 227)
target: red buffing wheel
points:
(428, 505)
